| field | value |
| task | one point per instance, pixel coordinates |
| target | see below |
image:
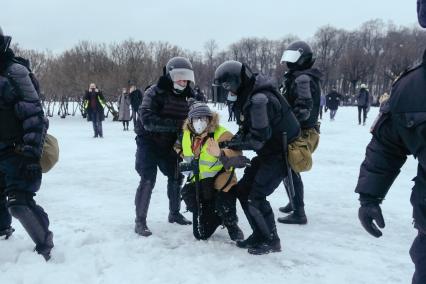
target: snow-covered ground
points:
(89, 198)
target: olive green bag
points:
(300, 151)
(50, 155)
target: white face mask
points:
(199, 125)
(178, 88)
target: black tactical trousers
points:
(17, 196)
(148, 157)
(260, 180)
(298, 189)
(418, 256)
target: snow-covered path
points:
(89, 198)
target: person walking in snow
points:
(124, 109)
(333, 100)
(135, 101)
(363, 102)
(302, 89)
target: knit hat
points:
(199, 109)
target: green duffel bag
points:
(300, 151)
(50, 155)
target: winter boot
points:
(252, 241)
(178, 218)
(286, 209)
(265, 247)
(297, 217)
(235, 232)
(173, 193)
(7, 232)
(45, 248)
(142, 229)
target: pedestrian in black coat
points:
(363, 102)
(333, 100)
(135, 102)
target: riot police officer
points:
(398, 131)
(262, 115)
(22, 132)
(302, 90)
(161, 116)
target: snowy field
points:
(89, 198)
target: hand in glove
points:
(368, 212)
(30, 168)
(235, 162)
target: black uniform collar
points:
(6, 58)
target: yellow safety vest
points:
(101, 101)
(209, 165)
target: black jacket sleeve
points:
(384, 157)
(303, 104)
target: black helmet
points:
(298, 56)
(179, 68)
(231, 75)
(4, 42)
(421, 12)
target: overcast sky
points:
(58, 24)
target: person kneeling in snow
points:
(209, 193)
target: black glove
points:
(235, 162)
(301, 114)
(30, 168)
(370, 211)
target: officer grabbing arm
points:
(264, 116)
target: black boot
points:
(7, 232)
(297, 217)
(176, 217)
(252, 241)
(268, 246)
(142, 200)
(286, 209)
(45, 248)
(173, 193)
(235, 232)
(142, 229)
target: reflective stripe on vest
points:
(209, 165)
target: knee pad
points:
(260, 205)
(19, 203)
